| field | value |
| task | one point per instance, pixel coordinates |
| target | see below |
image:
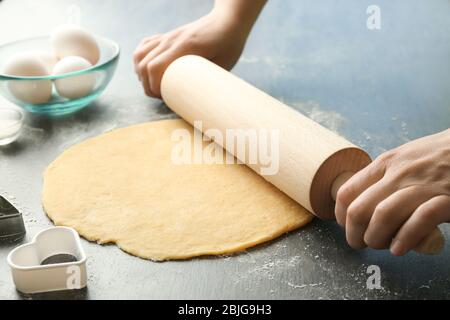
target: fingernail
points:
(397, 248)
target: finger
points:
(147, 39)
(361, 210)
(391, 213)
(143, 77)
(422, 222)
(355, 186)
(158, 66)
(143, 68)
(142, 51)
(138, 67)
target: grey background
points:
(377, 88)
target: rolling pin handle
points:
(432, 244)
(339, 182)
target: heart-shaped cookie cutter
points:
(32, 268)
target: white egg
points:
(77, 86)
(28, 91)
(69, 40)
(47, 57)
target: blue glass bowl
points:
(103, 72)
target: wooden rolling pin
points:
(313, 161)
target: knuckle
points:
(382, 212)
(386, 157)
(354, 216)
(166, 41)
(344, 195)
(189, 43)
(427, 216)
(142, 67)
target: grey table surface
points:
(377, 88)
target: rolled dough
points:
(123, 188)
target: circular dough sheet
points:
(123, 188)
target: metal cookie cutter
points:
(11, 222)
(53, 261)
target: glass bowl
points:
(102, 73)
(11, 122)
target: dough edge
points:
(231, 249)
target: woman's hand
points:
(400, 198)
(219, 36)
